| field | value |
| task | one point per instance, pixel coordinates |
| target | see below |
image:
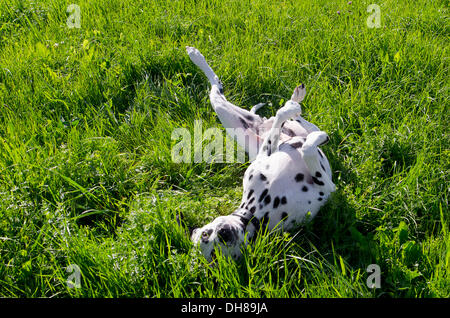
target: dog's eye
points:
(205, 235)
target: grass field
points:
(86, 116)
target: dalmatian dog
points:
(288, 180)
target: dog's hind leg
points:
(198, 59)
(239, 123)
(311, 154)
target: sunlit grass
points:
(86, 117)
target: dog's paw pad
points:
(299, 93)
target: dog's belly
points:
(280, 192)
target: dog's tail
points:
(256, 107)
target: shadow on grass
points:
(336, 229)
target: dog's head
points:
(225, 232)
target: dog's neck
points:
(245, 217)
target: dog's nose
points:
(225, 234)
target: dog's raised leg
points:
(198, 59)
(298, 96)
(241, 124)
(290, 110)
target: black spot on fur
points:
(225, 234)
(317, 181)
(243, 220)
(276, 202)
(283, 200)
(250, 177)
(320, 199)
(249, 118)
(305, 189)
(299, 177)
(323, 168)
(296, 145)
(242, 205)
(244, 123)
(251, 201)
(309, 202)
(320, 153)
(263, 194)
(252, 209)
(263, 177)
(318, 174)
(321, 193)
(255, 223)
(288, 132)
(250, 193)
(267, 199)
(284, 215)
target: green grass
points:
(86, 117)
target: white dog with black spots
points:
(288, 180)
